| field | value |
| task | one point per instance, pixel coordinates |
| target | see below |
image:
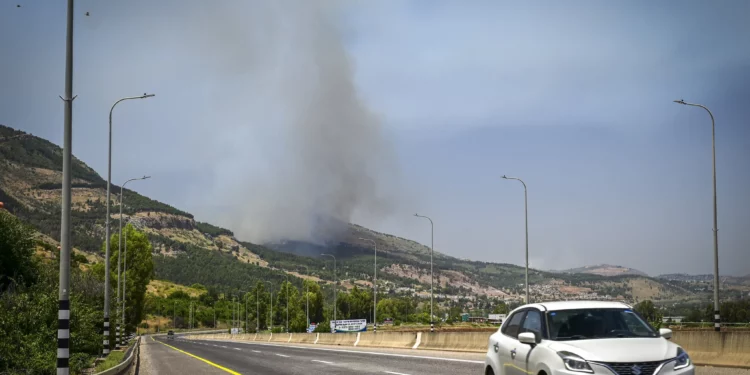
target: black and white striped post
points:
(63, 313)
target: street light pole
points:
(307, 297)
(119, 254)
(63, 312)
(717, 317)
(270, 327)
(526, 214)
(287, 303)
(335, 282)
(432, 275)
(107, 239)
(374, 287)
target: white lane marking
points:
(394, 373)
(326, 362)
(224, 347)
(371, 353)
(282, 355)
(236, 348)
(364, 352)
(256, 351)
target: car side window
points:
(514, 324)
(533, 324)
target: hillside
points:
(187, 251)
(605, 270)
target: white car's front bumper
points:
(667, 369)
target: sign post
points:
(352, 325)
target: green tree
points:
(500, 308)
(139, 270)
(16, 250)
(648, 311)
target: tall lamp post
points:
(526, 214)
(270, 327)
(63, 309)
(257, 309)
(307, 297)
(121, 284)
(717, 317)
(374, 286)
(287, 302)
(432, 276)
(335, 282)
(107, 239)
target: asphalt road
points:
(203, 357)
(273, 359)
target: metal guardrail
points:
(130, 356)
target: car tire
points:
(488, 371)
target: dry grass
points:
(165, 288)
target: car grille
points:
(635, 368)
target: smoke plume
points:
(302, 153)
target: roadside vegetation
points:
(29, 300)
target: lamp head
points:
(144, 96)
(680, 102)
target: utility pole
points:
(108, 219)
(717, 316)
(307, 297)
(335, 282)
(270, 327)
(374, 286)
(63, 312)
(432, 275)
(287, 303)
(526, 215)
(119, 255)
(124, 277)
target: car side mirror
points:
(527, 338)
(666, 333)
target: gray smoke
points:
(303, 152)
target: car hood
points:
(630, 349)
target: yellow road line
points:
(199, 358)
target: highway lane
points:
(273, 359)
(158, 359)
(268, 358)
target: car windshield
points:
(584, 324)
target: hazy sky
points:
(375, 110)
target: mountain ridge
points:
(30, 185)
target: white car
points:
(582, 337)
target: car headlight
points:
(574, 362)
(682, 360)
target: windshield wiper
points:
(574, 337)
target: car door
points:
(507, 344)
(532, 323)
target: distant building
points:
(672, 319)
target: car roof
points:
(575, 305)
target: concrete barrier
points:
(730, 348)
(263, 336)
(724, 349)
(303, 338)
(387, 339)
(343, 339)
(455, 341)
(280, 337)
